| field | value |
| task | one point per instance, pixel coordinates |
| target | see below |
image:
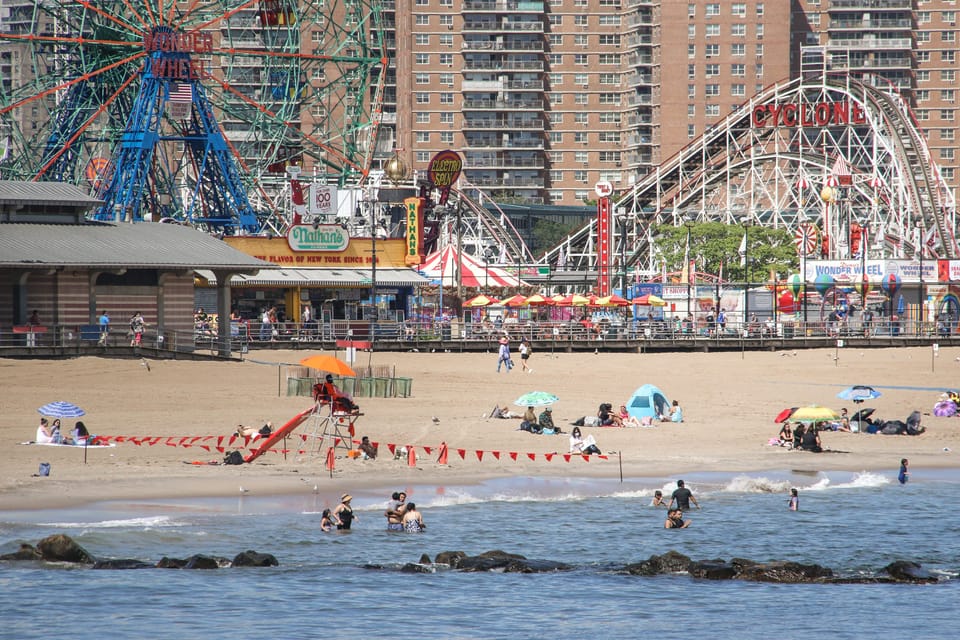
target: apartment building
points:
(909, 44)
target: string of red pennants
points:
(222, 443)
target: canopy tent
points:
(648, 402)
(441, 266)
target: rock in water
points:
(254, 559)
(62, 548)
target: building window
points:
(446, 98)
(739, 9)
(759, 8)
(446, 79)
(691, 91)
(713, 30)
(421, 78)
(738, 30)
(947, 134)
(447, 59)
(556, 137)
(738, 70)
(948, 75)
(948, 56)
(691, 51)
(581, 78)
(691, 71)
(691, 110)
(556, 99)
(923, 76)
(423, 156)
(581, 156)
(713, 9)
(946, 115)
(446, 137)
(580, 175)
(555, 157)
(922, 56)
(738, 49)
(947, 173)
(423, 19)
(712, 70)
(580, 137)
(556, 196)
(422, 39)
(923, 17)
(691, 131)
(691, 31)
(580, 117)
(609, 98)
(446, 39)
(922, 114)
(922, 95)
(609, 40)
(580, 59)
(555, 59)
(711, 90)
(556, 19)
(759, 70)
(554, 117)
(423, 58)
(555, 40)
(423, 137)
(556, 175)
(760, 50)
(445, 20)
(609, 117)
(581, 40)
(446, 117)
(948, 36)
(422, 117)
(422, 97)
(610, 58)
(947, 95)
(555, 79)
(610, 78)
(580, 98)
(738, 89)
(691, 10)
(582, 196)
(947, 154)
(759, 30)
(609, 21)
(948, 16)
(922, 36)
(712, 110)
(712, 50)
(580, 20)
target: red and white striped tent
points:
(441, 266)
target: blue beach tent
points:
(648, 402)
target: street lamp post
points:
(686, 265)
(920, 296)
(746, 271)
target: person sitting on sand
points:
(798, 431)
(80, 433)
(546, 422)
(44, 435)
(607, 417)
(675, 413)
(581, 445)
(626, 419)
(786, 435)
(530, 422)
(811, 440)
(367, 449)
(675, 520)
(504, 412)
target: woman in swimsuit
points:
(412, 519)
(343, 515)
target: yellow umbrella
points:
(612, 301)
(480, 301)
(513, 301)
(650, 300)
(814, 413)
(575, 300)
(329, 364)
(538, 300)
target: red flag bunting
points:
(463, 453)
(586, 457)
(496, 454)
(566, 457)
(479, 454)
(513, 454)
(532, 456)
(549, 456)
(428, 450)
(393, 448)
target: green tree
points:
(716, 243)
(548, 234)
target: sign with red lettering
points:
(808, 114)
(413, 252)
(604, 229)
(444, 170)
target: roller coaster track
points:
(736, 170)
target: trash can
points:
(306, 387)
(348, 386)
(788, 330)
(381, 387)
(364, 388)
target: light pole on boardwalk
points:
(686, 265)
(747, 222)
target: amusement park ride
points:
(194, 111)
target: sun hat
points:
(346, 497)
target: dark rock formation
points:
(410, 567)
(124, 563)
(535, 566)
(251, 558)
(670, 562)
(171, 563)
(425, 559)
(62, 548)
(906, 571)
(26, 552)
(451, 558)
(712, 569)
(783, 572)
(201, 561)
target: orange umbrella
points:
(329, 364)
(558, 299)
(513, 301)
(538, 300)
(574, 300)
(650, 300)
(480, 301)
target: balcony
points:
(477, 104)
(636, 100)
(515, 45)
(503, 163)
(481, 85)
(513, 124)
(637, 79)
(906, 5)
(535, 182)
(870, 43)
(503, 65)
(858, 23)
(524, 85)
(497, 27)
(503, 6)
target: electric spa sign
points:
(323, 237)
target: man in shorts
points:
(394, 512)
(682, 496)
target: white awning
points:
(306, 277)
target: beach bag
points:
(234, 457)
(265, 430)
(591, 421)
(44, 469)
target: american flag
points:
(181, 92)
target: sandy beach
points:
(729, 400)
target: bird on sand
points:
(143, 362)
(435, 419)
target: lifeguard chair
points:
(331, 420)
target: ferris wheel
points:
(193, 109)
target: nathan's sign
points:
(323, 237)
(443, 171)
(808, 114)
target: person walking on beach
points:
(904, 474)
(525, 355)
(104, 322)
(682, 496)
(794, 504)
(503, 357)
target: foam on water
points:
(146, 523)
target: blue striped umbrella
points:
(61, 409)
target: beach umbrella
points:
(480, 301)
(536, 399)
(574, 300)
(784, 415)
(613, 301)
(537, 300)
(814, 413)
(61, 409)
(650, 300)
(329, 364)
(945, 409)
(558, 299)
(513, 301)
(863, 414)
(859, 393)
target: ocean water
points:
(855, 523)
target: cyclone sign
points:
(443, 171)
(805, 237)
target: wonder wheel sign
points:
(805, 237)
